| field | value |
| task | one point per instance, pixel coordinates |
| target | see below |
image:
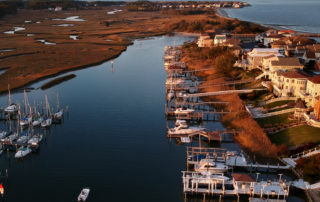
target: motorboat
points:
(170, 94)
(210, 166)
(46, 123)
(180, 123)
(182, 111)
(12, 108)
(84, 194)
(22, 152)
(185, 130)
(35, 140)
(172, 82)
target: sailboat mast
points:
(9, 95)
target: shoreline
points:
(224, 14)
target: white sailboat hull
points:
(22, 152)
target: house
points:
(256, 56)
(309, 56)
(205, 41)
(287, 33)
(285, 64)
(290, 83)
(271, 38)
(219, 39)
(312, 90)
(271, 31)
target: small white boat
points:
(84, 194)
(10, 138)
(22, 152)
(22, 139)
(211, 166)
(58, 114)
(170, 94)
(180, 123)
(12, 108)
(185, 130)
(37, 121)
(181, 111)
(3, 134)
(46, 123)
(25, 121)
(35, 140)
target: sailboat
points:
(37, 121)
(59, 114)
(12, 108)
(23, 151)
(26, 121)
(48, 121)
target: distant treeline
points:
(142, 5)
(11, 7)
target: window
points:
(292, 81)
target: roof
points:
(288, 31)
(315, 79)
(289, 61)
(310, 54)
(242, 177)
(294, 74)
(264, 50)
(220, 36)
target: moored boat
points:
(22, 152)
(209, 165)
(84, 194)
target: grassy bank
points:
(296, 136)
(220, 61)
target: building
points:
(257, 55)
(285, 64)
(219, 39)
(312, 90)
(309, 56)
(290, 83)
(205, 41)
(287, 33)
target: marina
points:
(210, 170)
(119, 129)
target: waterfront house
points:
(285, 64)
(205, 41)
(256, 56)
(312, 90)
(219, 39)
(287, 33)
(271, 38)
(58, 8)
(290, 83)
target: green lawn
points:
(296, 136)
(276, 104)
(282, 118)
(279, 109)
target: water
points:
(288, 14)
(113, 139)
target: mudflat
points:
(54, 42)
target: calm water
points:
(289, 14)
(113, 139)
